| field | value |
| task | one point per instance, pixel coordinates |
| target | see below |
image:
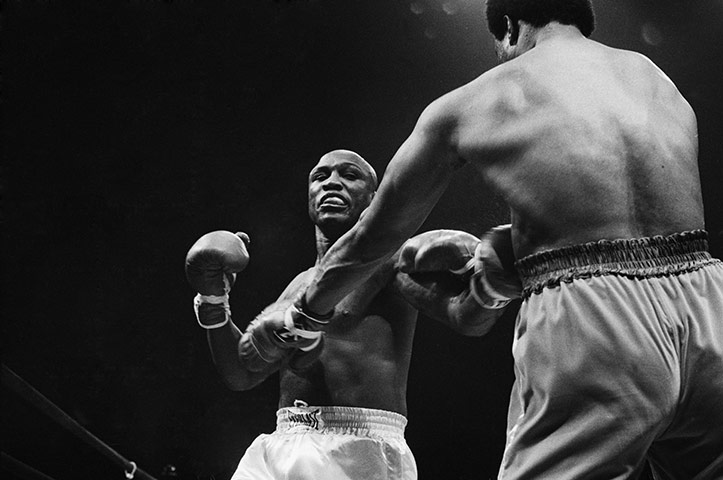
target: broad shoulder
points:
(472, 117)
(497, 87)
(649, 82)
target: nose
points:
(332, 182)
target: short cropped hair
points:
(539, 13)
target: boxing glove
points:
(211, 267)
(438, 251)
(269, 340)
(495, 281)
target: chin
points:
(334, 220)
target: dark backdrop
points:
(130, 128)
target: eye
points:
(351, 174)
(317, 176)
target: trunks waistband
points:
(340, 420)
(636, 258)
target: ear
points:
(513, 30)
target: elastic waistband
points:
(341, 420)
(636, 258)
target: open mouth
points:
(333, 202)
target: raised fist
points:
(214, 256)
(211, 267)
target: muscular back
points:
(585, 142)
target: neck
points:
(324, 241)
(534, 36)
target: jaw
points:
(333, 227)
(333, 219)
(336, 221)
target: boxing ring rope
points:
(37, 399)
(17, 467)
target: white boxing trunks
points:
(330, 443)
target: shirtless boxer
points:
(618, 344)
(342, 407)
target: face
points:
(341, 186)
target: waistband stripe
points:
(341, 420)
(636, 258)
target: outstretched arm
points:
(414, 181)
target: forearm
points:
(351, 261)
(224, 344)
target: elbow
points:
(375, 245)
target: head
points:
(341, 186)
(504, 17)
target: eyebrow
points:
(340, 166)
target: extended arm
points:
(414, 181)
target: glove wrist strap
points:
(485, 294)
(303, 309)
(221, 300)
(295, 331)
(469, 266)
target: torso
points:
(585, 142)
(366, 353)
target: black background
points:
(130, 128)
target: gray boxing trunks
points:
(618, 350)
